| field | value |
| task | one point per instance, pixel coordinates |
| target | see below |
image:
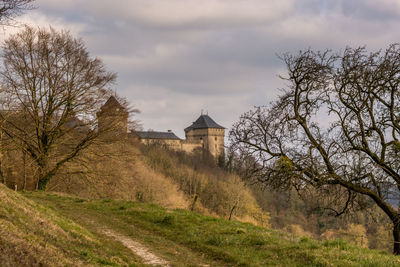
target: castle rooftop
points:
(156, 135)
(112, 102)
(204, 122)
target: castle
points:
(204, 133)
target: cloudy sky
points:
(175, 58)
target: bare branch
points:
(359, 93)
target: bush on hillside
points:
(199, 176)
(116, 170)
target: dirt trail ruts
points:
(137, 248)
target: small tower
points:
(208, 132)
(113, 118)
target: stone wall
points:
(174, 144)
(188, 147)
(213, 139)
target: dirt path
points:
(137, 248)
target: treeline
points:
(318, 213)
(222, 188)
(210, 188)
(306, 216)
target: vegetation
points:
(51, 140)
(210, 188)
(116, 169)
(51, 92)
(185, 238)
(182, 237)
(35, 235)
(120, 170)
(355, 157)
(304, 215)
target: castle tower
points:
(113, 118)
(208, 132)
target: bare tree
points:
(53, 89)
(337, 124)
(8, 10)
(12, 8)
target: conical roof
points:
(112, 102)
(204, 122)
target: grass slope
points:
(34, 235)
(190, 239)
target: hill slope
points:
(34, 235)
(185, 238)
(125, 170)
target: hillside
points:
(152, 174)
(126, 170)
(117, 170)
(184, 238)
(35, 235)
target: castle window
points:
(215, 138)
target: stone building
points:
(210, 135)
(168, 139)
(113, 117)
(204, 133)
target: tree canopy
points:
(336, 124)
(51, 91)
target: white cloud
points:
(179, 109)
(381, 6)
(183, 12)
(176, 57)
(38, 19)
(167, 13)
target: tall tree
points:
(52, 90)
(337, 124)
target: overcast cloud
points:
(175, 58)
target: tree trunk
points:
(194, 202)
(44, 178)
(231, 213)
(24, 161)
(2, 179)
(43, 181)
(396, 236)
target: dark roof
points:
(113, 102)
(204, 122)
(77, 124)
(156, 135)
(73, 122)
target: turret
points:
(113, 117)
(209, 133)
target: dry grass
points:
(158, 189)
(185, 238)
(35, 235)
(217, 192)
(117, 171)
(28, 232)
(120, 170)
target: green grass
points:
(187, 239)
(35, 235)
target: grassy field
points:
(184, 238)
(35, 235)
